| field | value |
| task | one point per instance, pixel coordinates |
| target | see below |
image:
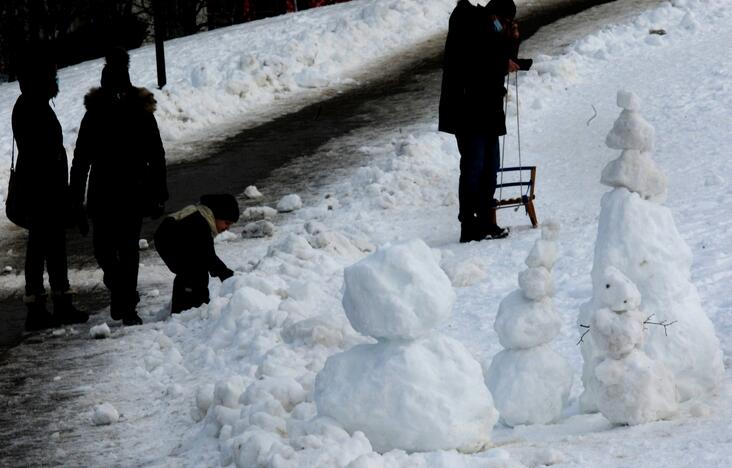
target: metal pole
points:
(159, 25)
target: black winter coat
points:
(119, 142)
(187, 245)
(474, 69)
(42, 168)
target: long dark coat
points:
(41, 166)
(474, 70)
(119, 142)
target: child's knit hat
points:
(223, 205)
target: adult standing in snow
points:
(119, 142)
(42, 183)
(481, 46)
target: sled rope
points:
(518, 138)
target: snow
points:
(398, 292)
(289, 203)
(233, 383)
(100, 331)
(104, 414)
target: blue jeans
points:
(480, 159)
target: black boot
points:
(185, 298)
(131, 319)
(64, 310)
(471, 230)
(38, 317)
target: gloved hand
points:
(156, 210)
(81, 220)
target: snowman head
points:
(618, 292)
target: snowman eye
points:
(607, 286)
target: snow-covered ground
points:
(232, 382)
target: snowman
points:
(414, 389)
(529, 381)
(631, 387)
(638, 236)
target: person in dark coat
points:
(120, 151)
(481, 48)
(184, 240)
(42, 172)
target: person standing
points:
(42, 181)
(120, 151)
(481, 46)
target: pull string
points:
(518, 133)
(503, 141)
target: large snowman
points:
(414, 389)
(638, 236)
(529, 381)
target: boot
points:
(64, 310)
(185, 298)
(488, 226)
(471, 230)
(131, 319)
(38, 317)
(120, 307)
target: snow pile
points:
(631, 387)
(529, 381)
(415, 389)
(638, 237)
(289, 203)
(100, 331)
(104, 414)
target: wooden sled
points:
(527, 189)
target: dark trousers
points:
(480, 160)
(116, 247)
(46, 247)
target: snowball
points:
(104, 414)
(142, 244)
(617, 291)
(550, 230)
(261, 228)
(255, 213)
(637, 172)
(420, 395)
(399, 291)
(617, 333)
(628, 100)
(252, 192)
(536, 283)
(523, 323)
(631, 131)
(529, 386)
(635, 390)
(543, 254)
(289, 203)
(100, 331)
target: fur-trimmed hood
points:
(142, 97)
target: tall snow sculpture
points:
(529, 381)
(632, 388)
(638, 236)
(414, 389)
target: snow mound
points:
(397, 292)
(635, 390)
(420, 395)
(252, 192)
(100, 331)
(104, 414)
(255, 213)
(523, 323)
(289, 203)
(530, 386)
(261, 228)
